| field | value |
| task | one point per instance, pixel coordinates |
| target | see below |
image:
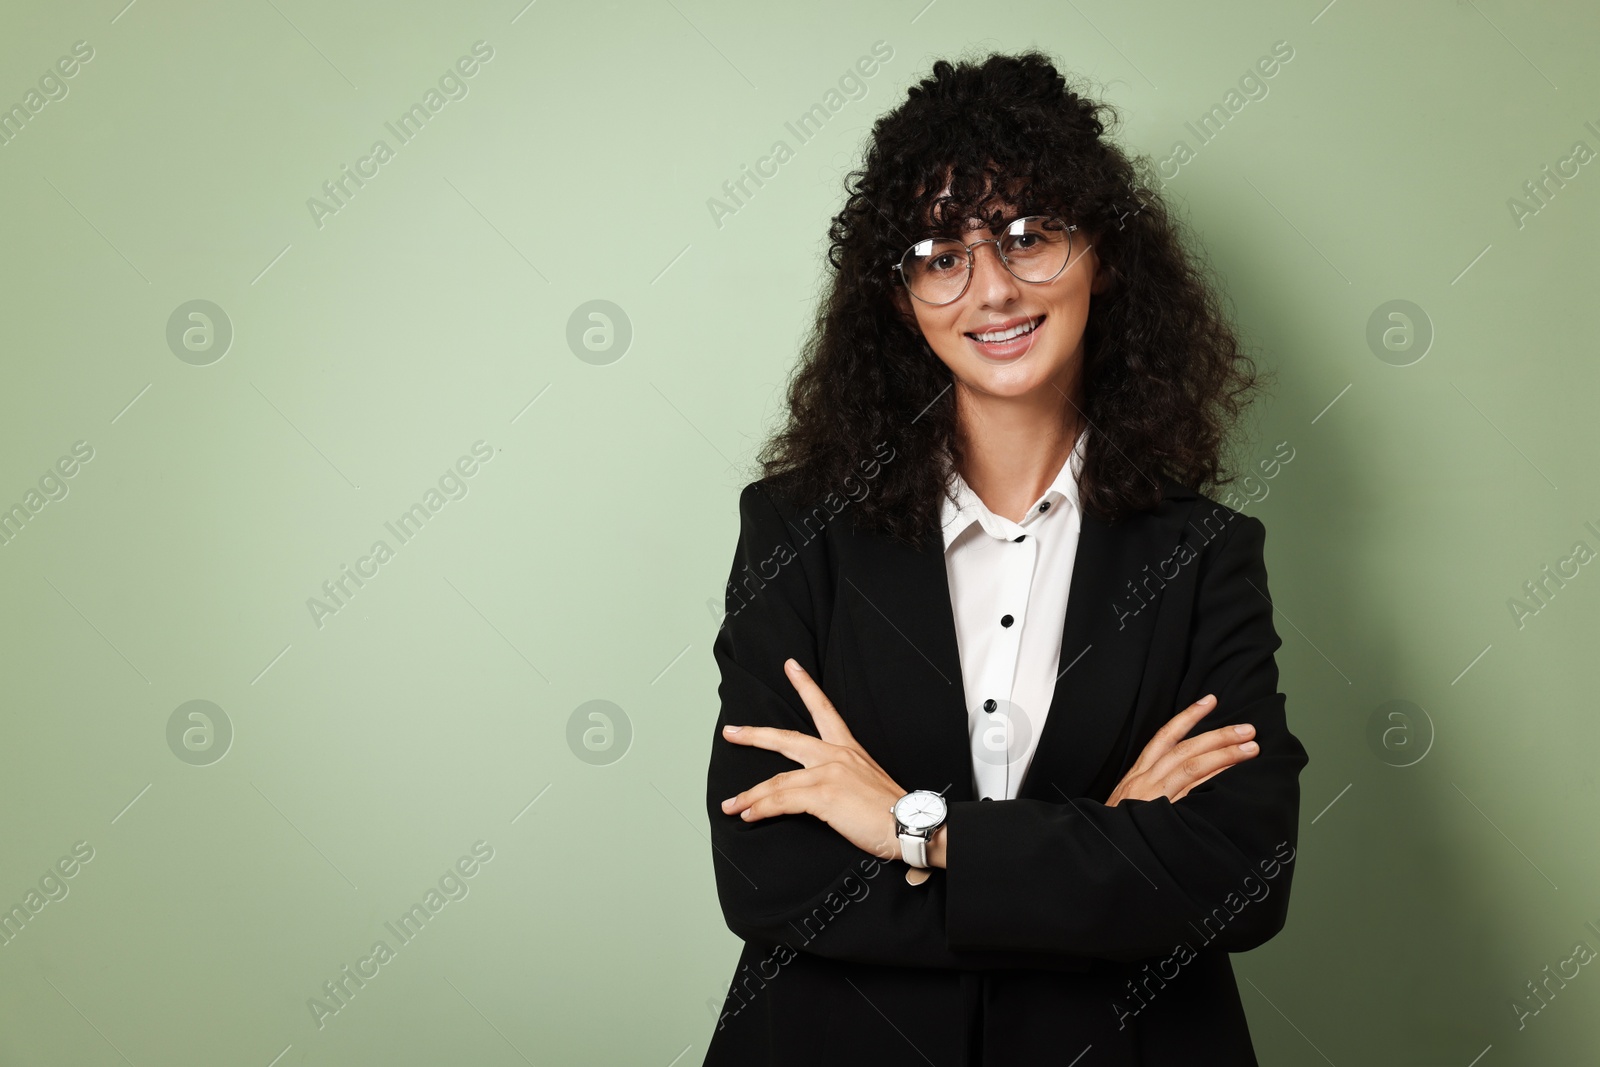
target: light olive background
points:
(586, 561)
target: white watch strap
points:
(914, 850)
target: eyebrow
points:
(951, 230)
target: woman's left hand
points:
(839, 782)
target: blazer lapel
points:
(899, 600)
(1101, 663)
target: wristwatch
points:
(917, 815)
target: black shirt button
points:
(1006, 620)
(987, 798)
(1018, 538)
(1045, 506)
(989, 705)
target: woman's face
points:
(1045, 361)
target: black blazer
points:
(1060, 924)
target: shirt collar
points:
(955, 516)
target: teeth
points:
(1006, 335)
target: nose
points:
(991, 282)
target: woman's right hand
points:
(1170, 767)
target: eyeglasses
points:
(937, 270)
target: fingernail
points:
(1207, 699)
(731, 729)
(1249, 746)
(791, 666)
(730, 800)
(1244, 731)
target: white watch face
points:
(920, 810)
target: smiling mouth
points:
(1002, 336)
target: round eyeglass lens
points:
(1035, 249)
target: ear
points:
(902, 304)
(1104, 276)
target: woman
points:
(954, 817)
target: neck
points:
(1013, 447)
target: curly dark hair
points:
(1164, 376)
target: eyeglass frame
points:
(899, 269)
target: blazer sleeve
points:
(1129, 882)
(793, 879)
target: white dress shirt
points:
(1008, 588)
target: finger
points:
(783, 780)
(1181, 723)
(779, 802)
(802, 748)
(1172, 732)
(1185, 792)
(1175, 729)
(1211, 740)
(1202, 781)
(1190, 772)
(830, 724)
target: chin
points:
(1034, 364)
(1010, 381)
